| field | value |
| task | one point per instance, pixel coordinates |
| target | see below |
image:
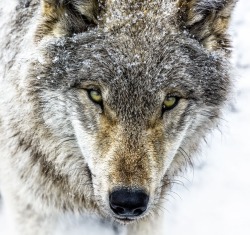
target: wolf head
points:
(122, 94)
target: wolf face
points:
(118, 109)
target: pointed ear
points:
(66, 17)
(207, 21)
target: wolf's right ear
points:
(66, 17)
(207, 21)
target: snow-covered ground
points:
(216, 197)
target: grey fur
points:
(59, 151)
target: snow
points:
(215, 196)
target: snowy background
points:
(215, 196)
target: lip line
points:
(125, 218)
(129, 219)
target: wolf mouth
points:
(126, 220)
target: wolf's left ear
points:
(66, 17)
(207, 21)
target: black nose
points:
(128, 202)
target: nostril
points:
(138, 212)
(118, 209)
(128, 202)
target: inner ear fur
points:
(207, 21)
(66, 17)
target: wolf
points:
(103, 103)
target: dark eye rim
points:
(164, 108)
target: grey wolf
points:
(104, 103)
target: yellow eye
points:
(95, 96)
(170, 102)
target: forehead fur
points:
(104, 59)
(136, 16)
